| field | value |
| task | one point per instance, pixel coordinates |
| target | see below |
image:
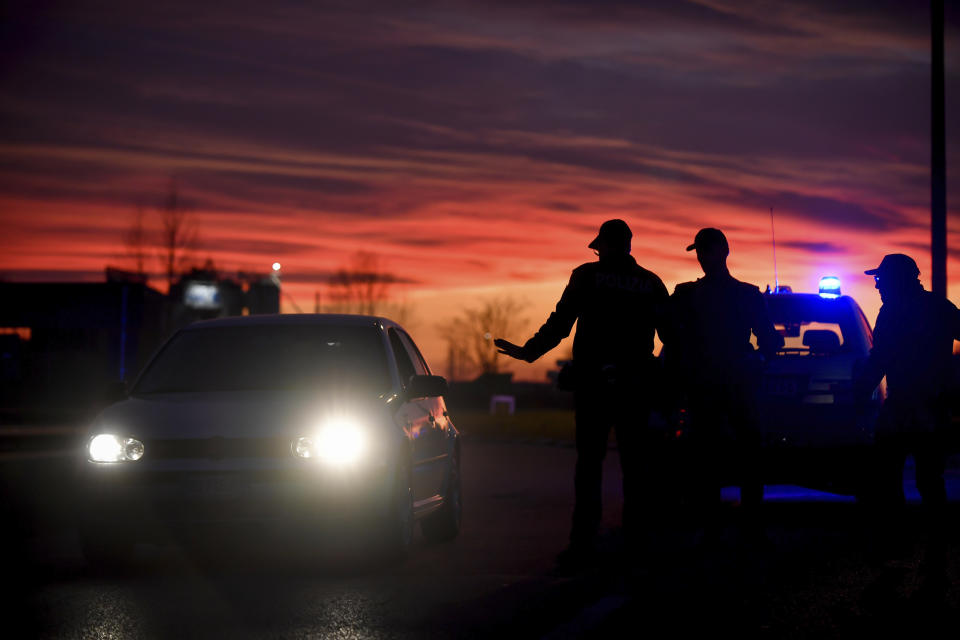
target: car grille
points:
(219, 448)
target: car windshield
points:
(814, 326)
(269, 358)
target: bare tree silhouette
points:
(469, 336)
(361, 285)
(364, 286)
(136, 240)
(178, 234)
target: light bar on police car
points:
(830, 287)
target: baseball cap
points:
(895, 264)
(708, 238)
(613, 232)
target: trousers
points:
(725, 441)
(905, 428)
(598, 409)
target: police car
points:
(814, 433)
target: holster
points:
(567, 378)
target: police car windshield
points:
(813, 326)
(269, 358)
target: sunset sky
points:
(475, 147)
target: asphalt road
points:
(814, 573)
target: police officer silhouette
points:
(713, 318)
(912, 347)
(617, 306)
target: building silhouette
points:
(62, 344)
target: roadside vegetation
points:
(537, 424)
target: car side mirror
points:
(426, 386)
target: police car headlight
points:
(338, 442)
(107, 447)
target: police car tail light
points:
(830, 287)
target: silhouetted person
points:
(912, 347)
(712, 319)
(617, 306)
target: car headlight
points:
(338, 442)
(107, 447)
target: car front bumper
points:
(144, 501)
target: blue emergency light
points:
(830, 287)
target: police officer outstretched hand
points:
(617, 305)
(513, 350)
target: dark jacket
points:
(912, 346)
(713, 319)
(617, 306)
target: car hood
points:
(232, 414)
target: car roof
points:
(811, 300)
(260, 320)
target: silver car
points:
(278, 423)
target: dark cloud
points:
(323, 276)
(265, 191)
(413, 241)
(452, 240)
(263, 247)
(525, 276)
(827, 211)
(924, 249)
(51, 275)
(12, 224)
(557, 205)
(814, 247)
(283, 92)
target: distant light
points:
(276, 266)
(830, 287)
(202, 295)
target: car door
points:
(415, 416)
(436, 440)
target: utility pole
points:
(938, 155)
